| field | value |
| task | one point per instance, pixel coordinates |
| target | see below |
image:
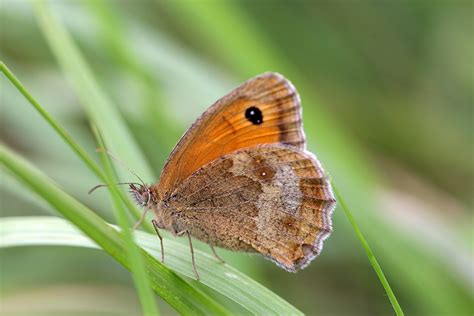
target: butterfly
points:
(241, 178)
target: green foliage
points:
(48, 231)
(171, 288)
(373, 260)
(255, 297)
(371, 87)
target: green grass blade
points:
(62, 132)
(138, 272)
(184, 298)
(373, 260)
(137, 268)
(114, 38)
(51, 121)
(268, 302)
(96, 103)
(51, 231)
(179, 294)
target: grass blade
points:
(62, 132)
(96, 103)
(179, 294)
(51, 231)
(136, 264)
(255, 298)
(184, 298)
(115, 40)
(51, 121)
(373, 260)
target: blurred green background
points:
(387, 93)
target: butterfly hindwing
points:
(272, 199)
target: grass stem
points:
(372, 259)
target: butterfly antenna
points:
(106, 185)
(102, 150)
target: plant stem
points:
(172, 288)
(373, 261)
(137, 268)
(69, 140)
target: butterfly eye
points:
(254, 115)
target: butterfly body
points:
(240, 178)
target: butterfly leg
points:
(192, 251)
(215, 254)
(142, 218)
(155, 225)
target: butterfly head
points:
(142, 193)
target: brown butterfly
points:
(240, 178)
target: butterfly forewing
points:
(263, 110)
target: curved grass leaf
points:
(184, 298)
(62, 132)
(51, 231)
(136, 263)
(173, 289)
(370, 255)
(113, 33)
(96, 103)
(138, 272)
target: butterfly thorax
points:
(148, 197)
(164, 219)
(167, 212)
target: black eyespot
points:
(254, 115)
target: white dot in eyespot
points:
(252, 112)
(264, 174)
